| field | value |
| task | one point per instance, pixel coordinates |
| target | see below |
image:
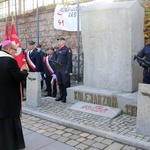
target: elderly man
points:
(11, 136)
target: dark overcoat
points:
(10, 78)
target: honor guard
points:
(33, 58)
(64, 57)
(49, 72)
(145, 55)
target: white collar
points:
(4, 54)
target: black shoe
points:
(64, 99)
(59, 98)
(47, 95)
(53, 95)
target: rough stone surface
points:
(109, 45)
(143, 111)
(33, 93)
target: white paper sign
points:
(65, 16)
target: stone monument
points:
(33, 93)
(143, 111)
(112, 33)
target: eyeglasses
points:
(14, 49)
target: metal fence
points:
(23, 6)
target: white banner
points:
(65, 16)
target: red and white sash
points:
(51, 71)
(54, 79)
(29, 61)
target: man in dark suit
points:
(11, 136)
(49, 71)
(33, 58)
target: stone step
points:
(127, 102)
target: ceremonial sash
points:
(54, 79)
(29, 61)
(51, 71)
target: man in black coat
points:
(11, 136)
(145, 54)
(64, 57)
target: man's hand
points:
(25, 67)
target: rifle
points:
(57, 64)
(146, 63)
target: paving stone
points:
(60, 127)
(92, 136)
(59, 132)
(63, 139)
(82, 146)
(128, 148)
(76, 132)
(89, 142)
(40, 131)
(31, 122)
(54, 125)
(55, 136)
(99, 145)
(115, 146)
(81, 139)
(41, 121)
(72, 142)
(46, 123)
(51, 129)
(67, 134)
(34, 128)
(92, 148)
(99, 139)
(44, 127)
(47, 134)
(84, 134)
(74, 137)
(69, 130)
(28, 126)
(38, 125)
(107, 141)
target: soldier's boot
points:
(59, 98)
(61, 93)
(64, 97)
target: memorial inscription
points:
(96, 99)
(110, 101)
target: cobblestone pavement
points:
(121, 128)
(69, 136)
